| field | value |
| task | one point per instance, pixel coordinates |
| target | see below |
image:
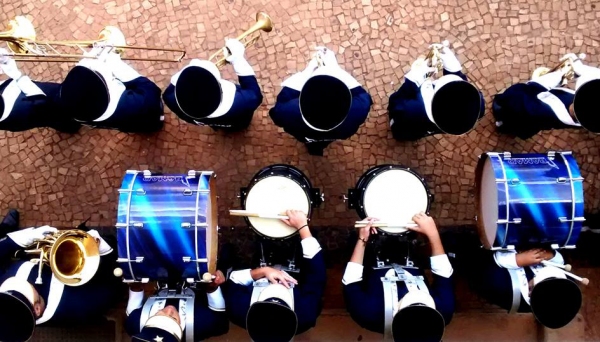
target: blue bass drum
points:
(167, 226)
(528, 200)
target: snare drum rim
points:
(280, 170)
(370, 174)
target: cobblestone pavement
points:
(61, 179)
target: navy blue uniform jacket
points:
(247, 99)
(493, 283)
(139, 110)
(38, 111)
(407, 110)
(307, 295)
(286, 114)
(523, 114)
(365, 301)
(78, 304)
(207, 323)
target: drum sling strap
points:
(186, 300)
(390, 294)
(520, 286)
(259, 285)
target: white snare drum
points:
(391, 193)
(272, 191)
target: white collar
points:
(116, 88)
(9, 96)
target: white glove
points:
(418, 71)
(328, 57)
(4, 57)
(449, 60)
(236, 50)
(27, 237)
(121, 70)
(104, 247)
(311, 66)
(11, 70)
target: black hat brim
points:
(271, 322)
(418, 323)
(555, 302)
(17, 320)
(84, 94)
(456, 107)
(585, 106)
(198, 92)
(325, 102)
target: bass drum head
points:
(395, 196)
(487, 201)
(275, 195)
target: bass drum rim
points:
(370, 175)
(478, 203)
(280, 170)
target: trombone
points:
(21, 41)
(566, 65)
(263, 22)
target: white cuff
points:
(297, 81)
(549, 81)
(28, 87)
(242, 67)
(242, 277)
(558, 259)
(135, 301)
(310, 247)
(506, 259)
(123, 72)
(417, 77)
(440, 265)
(216, 302)
(353, 273)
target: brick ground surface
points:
(61, 179)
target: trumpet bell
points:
(264, 21)
(74, 257)
(538, 72)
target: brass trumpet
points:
(434, 58)
(566, 66)
(73, 256)
(263, 22)
(21, 40)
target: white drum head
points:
(273, 196)
(488, 202)
(395, 196)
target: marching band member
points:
(270, 304)
(422, 107)
(321, 104)
(402, 315)
(198, 94)
(105, 92)
(543, 103)
(167, 320)
(25, 104)
(26, 304)
(544, 290)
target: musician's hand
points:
(312, 65)
(364, 233)
(329, 58)
(297, 219)
(425, 225)
(276, 276)
(103, 247)
(236, 50)
(26, 237)
(418, 71)
(4, 57)
(530, 257)
(449, 60)
(10, 69)
(215, 283)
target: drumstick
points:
(260, 215)
(566, 267)
(584, 281)
(362, 224)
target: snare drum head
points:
(488, 204)
(395, 196)
(274, 195)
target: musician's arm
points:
(442, 289)
(8, 248)
(286, 107)
(250, 91)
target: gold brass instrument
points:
(250, 37)
(21, 40)
(566, 65)
(434, 58)
(73, 256)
